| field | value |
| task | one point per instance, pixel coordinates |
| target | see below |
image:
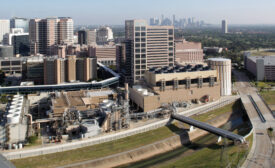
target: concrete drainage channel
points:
(106, 138)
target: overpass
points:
(209, 128)
(67, 86)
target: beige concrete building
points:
(105, 54)
(86, 69)
(54, 70)
(176, 84)
(60, 70)
(151, 46)
(188, 52)
(71, 68)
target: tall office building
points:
(4, 28)
(65, 30)
(174, 20)
(151, 46)
(45, 33)
(20, 23)
(224, 27)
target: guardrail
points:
(110, 137)
(257, 109)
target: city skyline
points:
(116, 12)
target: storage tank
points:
(223, 67)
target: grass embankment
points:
(269, 97)
(109, 148)
(233, 107)
(96, 151)
(203, 152)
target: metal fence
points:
(117, 135)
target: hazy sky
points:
(116, 11)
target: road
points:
(260, 155)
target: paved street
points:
(262, 149)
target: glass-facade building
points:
(21, 45)
(20, 23)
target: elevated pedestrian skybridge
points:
(209, 128)
(67, 86)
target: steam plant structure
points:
(223, 67)
(16, 126)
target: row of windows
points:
(141, 56)
(140, 72)
(140, 34)
(141, 50)
(184, 82)
(140, 28)
(142, 61)
(140, 40)
(140, 67)
(140, 44)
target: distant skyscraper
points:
(45, 33)
(151, 46)
(20, 23)
(4, 28)
(154, 21)
(224, 27)
(174, 20)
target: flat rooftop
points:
(268, 60)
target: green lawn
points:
(269, 97)
(262, 53)
(236, 106)
(109, 148)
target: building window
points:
(137, 55)
(170, 43)
(137, 50)
(143, 34)
(137, 39)
(143, 28)
(170, 38)
(137, 45)
(137, 28)
(171, 31)
(137, 34)
(143, 55)
(143, 45)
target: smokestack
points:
(126, 91)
